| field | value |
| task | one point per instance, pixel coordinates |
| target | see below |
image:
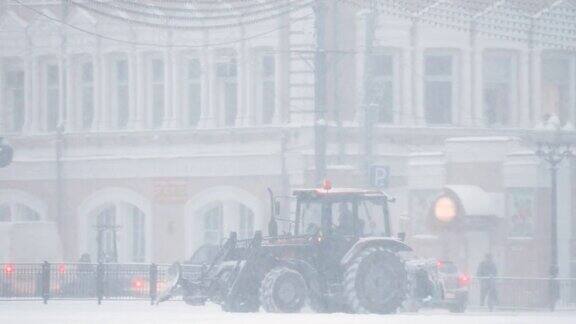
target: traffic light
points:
(6, 153)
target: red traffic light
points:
(62, 268)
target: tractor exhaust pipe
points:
(272, 224)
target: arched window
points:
(15, 212)
(246, 222)
(213, 224)
(217, 211)
(117, 233)
(220, 218)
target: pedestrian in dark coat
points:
(487, 272)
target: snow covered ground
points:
(64, 312)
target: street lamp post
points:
(554, 145)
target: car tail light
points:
(8, 269)
(463, 280)
(137, 284)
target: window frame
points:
(454, 80)
(392, 80)
(260, 80)
(46, 88)
(188, 83)
(570, 57)
(156, 114)
(81, 86)
(511, 82)
(227, 57)
(115, 85)
(12, 65)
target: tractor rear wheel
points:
(375, 282)
(283, 290)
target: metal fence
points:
(527, 293)
(45, 281)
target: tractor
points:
(336, 254)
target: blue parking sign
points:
(380, 176)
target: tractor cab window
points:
(370, 218)
(311, 217)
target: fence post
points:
(100, 282)
(45, 287)
(153, 283)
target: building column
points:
(464, 116)
(406, 117)
(134, 121)
(535, 85)
(178, 69)
(360, 68)
(103, 110)
(477, 105)
(168, 120)
(243, 65)
(417, 77)
(62, 100)
(73, 112)
(33, 94)
(524, 95)
(208, 82)
(140, 117)
(98, 96)
(3, 108)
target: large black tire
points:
(375, 282)
(283, 290)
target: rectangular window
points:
(438, 88)
(556, 86)
(138, 236)
(194, 93)
(14, 99)
(227, 77)
(267, 88)
(520, 209)
(213, 225)
(87, 94)
(52, 95)
(157, 83)
(121, 93)
(498, 72)
(381, 90)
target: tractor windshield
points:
(362, 217)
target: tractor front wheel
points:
(283, 290)
(375, 282)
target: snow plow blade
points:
(174, 277)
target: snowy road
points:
(60, 312)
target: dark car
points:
(436, 284)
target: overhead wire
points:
(138, 43)
(167, 25)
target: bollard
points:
(100, 282)
(153, 287)
(45, 287)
